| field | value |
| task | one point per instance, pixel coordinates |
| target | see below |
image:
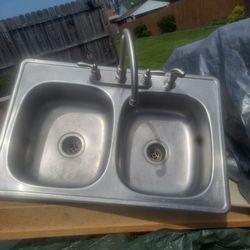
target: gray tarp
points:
(225, 54)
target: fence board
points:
(70, 32)
(188, 14)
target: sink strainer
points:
(71, 145)
(155, 152)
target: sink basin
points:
(61, 136)
(164, 147)
(67, 139)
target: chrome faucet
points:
(127, 42)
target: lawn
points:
(152, 52)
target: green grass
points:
(152, 52)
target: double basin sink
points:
(67, 139)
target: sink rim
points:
(76, 75)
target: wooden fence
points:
(188, 14)
(73, 32)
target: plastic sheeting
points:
(225, 54)
(162, 240)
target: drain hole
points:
(156, 153)
(71, 145)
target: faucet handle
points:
(175, 72)
(121, 74)
(146, 80)
(147, 76)
(95, 71)
(173, 75)
(84, 64)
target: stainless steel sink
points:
(66, 138)
(59, 130)
(164, 147)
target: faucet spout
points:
(127, 42)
